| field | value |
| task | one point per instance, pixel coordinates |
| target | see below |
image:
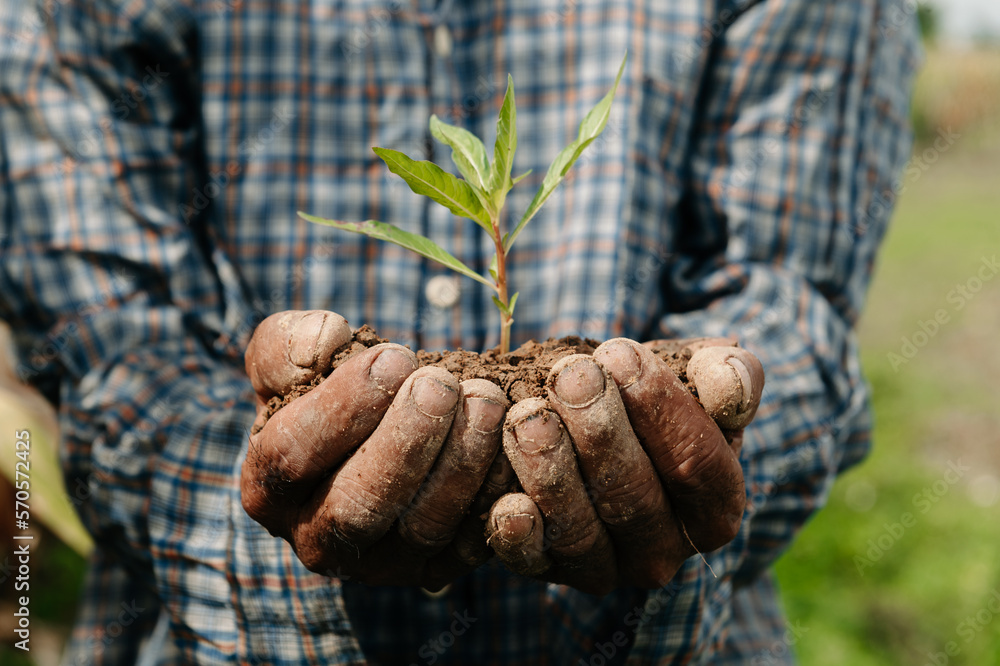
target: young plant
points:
(480, 197)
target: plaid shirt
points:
(153, 154)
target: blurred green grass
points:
(919, 592)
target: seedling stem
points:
(480, 197)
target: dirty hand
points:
(624, 474)
(371, 474)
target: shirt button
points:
(443, 291)
(436, 595)
(442, 41)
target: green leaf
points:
(521, 177)
(506, 309)
(430, 180)
(467, 152)
(500, 306)
(590, 128)
(425, 247)
(493, 269)
(503, 149)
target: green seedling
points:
(480, 197)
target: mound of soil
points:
(520, 373)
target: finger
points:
(468, 549)
(729, 381)
(500, 480)
(392, 560)
(466, 553)
(516, 533)
(624, 487)
(292, 348)
(262, 414)
(541, 453)
(446, 495)
(373, 487)
(305, 440)
(702, 475)
(735, 439)
(721, 396)
(469, 545)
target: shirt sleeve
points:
(800, 134)
(128, 314)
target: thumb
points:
(730, 381)
(293, 347)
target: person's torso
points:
(296, 94)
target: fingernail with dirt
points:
(746, 382)
(621, 360)
(513, 528)
(537, 432)
(391, 369)
(483, 414)
(725, 388)
(579, 382)
(303, 341)
(432, 397)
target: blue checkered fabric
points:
(153, 154)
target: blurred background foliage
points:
(934, 582)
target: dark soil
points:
(520, 373)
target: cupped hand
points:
(380, 472)
(624, 474)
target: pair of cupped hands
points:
(386, 473)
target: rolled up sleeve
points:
(128, 314)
